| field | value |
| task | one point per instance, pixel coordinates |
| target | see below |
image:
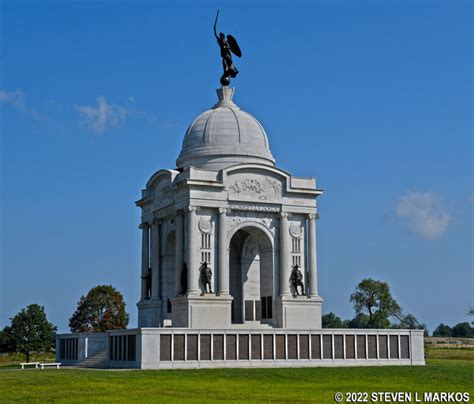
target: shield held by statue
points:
(234, 46)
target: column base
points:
(299, 312)
(202, 311)
(149, 313)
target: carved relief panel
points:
(244, 186)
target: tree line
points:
(376, 308)
(102, 309)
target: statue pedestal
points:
(202, 311)
(299, 312)
(149, 313)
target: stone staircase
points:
(97, 360)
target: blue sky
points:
(373, 98)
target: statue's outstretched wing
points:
(234, 46)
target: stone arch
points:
(251, 273)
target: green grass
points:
(453, 370)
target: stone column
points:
(193, 249)
(313, 269)
(285, 262)
(155, 260)
(145, 256)
(223, 288)
(178, 251)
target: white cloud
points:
(424, 214)
(15, 98)
(102, 116)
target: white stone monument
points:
(227, 210)
(228, 206)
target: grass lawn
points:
(229, 385)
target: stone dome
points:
(224, 136)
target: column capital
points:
(144, 225)
(224, 211)
(193, 208)
(313, 216)
(285, 215)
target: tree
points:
(463, 330)
(443, 330)
(100, 310)
(6, 343)
(30, 331)
(360, 321)
(330, 320)
(373, 298)
(409, 322)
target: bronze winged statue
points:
(228, 46)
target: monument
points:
(229, 272)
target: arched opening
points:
(167, 272)
(251, 276)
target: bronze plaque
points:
(327, 347)
(361, 354)
(338, 347)
(178, 347)
(243, 347)
(218, 347)
(192, 347)
(205, 347)
(393, 347)
(292, 346)
(165, 347)
(372, 346)
(350, 347)
(268, 347)
(404, 347)
(304, 346)
(315, 347)
(249, 310)
(280, 346)
(256, 348)
(383, 348)
(231, 347)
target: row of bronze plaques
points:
(250, 347)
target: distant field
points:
(453, 370)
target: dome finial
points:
(225, 95)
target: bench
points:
(35, 364)
(49, 364)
